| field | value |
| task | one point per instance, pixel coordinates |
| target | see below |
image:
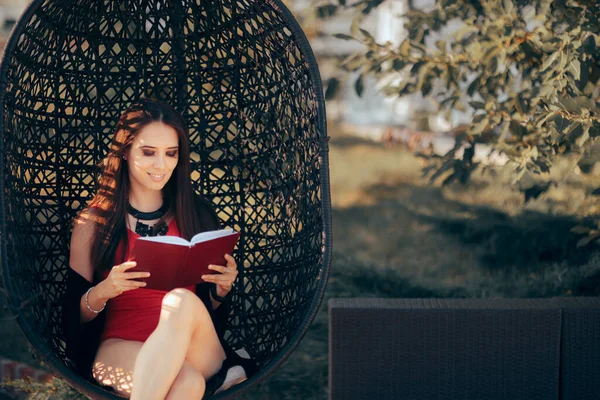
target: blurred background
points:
(501, 229)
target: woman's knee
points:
(189, 382)
(183, 308)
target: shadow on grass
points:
(350, 141)
(430, 223)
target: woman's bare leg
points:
(183, 318)
(114, 367)
(189, 384)
(114, 363)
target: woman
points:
(144, 343)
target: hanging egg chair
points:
(243, 76)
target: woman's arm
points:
(80, 262)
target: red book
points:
(174, 262)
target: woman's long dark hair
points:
(108, 207)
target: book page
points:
(166, 239)
(210, 235)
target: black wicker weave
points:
(242, 74)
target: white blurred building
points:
(10, 11)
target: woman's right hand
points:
(119, 280)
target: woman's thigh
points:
(115, 361)
(205, 352)
(114, 364)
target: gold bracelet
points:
(88, 305)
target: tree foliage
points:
(528, 71)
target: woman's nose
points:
(159, 161)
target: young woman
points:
(144, 343)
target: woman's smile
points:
(157, 178)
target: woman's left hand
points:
(225, 279)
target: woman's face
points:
(153, 156)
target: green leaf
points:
(398, 64)
(463, 31)
(422, 78)
(580, 229)
(583, 79)
(418, 46)
(353, 62)
(586, 103)
(479, 127)
(491, 54)
(572, 126)
(404, 88)
(441, 45)
(355, 26)
(517, 129)
(569, 104)
(575, 69)
(492, 65)
(541, 119)
(478, 118)
(343, 36)
(547, 91)
(332, 87)
(448, 100)
(366, 34)
(473, 86)
(359, 86)
(327, 10)
(563, 60)
(416, 67)
(508, 6)
(521, 105)
(549, 61)
(589, 44)
(477, 105)
(586, 240)
(404, 48)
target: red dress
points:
(134, 314)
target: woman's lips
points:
(157, 178)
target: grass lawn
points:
(396, 235)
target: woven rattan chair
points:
(244, 77)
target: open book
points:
(174, 262)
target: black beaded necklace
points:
(158, 229)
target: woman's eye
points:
(151, 154)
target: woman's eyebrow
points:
(152, 147)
